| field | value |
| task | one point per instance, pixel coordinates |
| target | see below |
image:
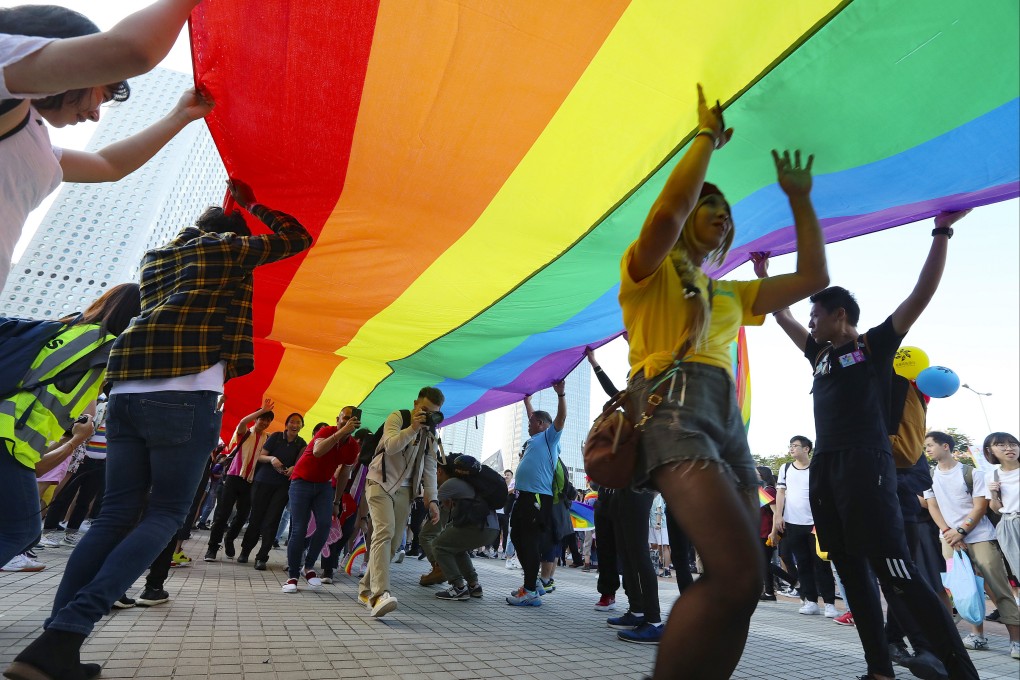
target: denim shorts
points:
(698, 420)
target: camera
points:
(433, 419)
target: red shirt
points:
(321, 469)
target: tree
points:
(773, 462)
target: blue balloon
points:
(938, 382)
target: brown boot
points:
(433, 577)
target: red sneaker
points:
(606, 603)
(845, 619)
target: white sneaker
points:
(830, 611)
(975, 642)
(384, 604)
(1014, 650)
(71, 539)
(810, 609)
(399, 557)
(290, 586)
(50, 539)
(314, 582)
(23, 563)
(85, 525)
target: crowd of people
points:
(142, 465)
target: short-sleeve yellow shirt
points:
(654, 314)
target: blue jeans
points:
(284, 529)
(157, 446)
(19, 507)
(306, 499)
(210, 500)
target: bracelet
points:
(708, 132)
(942, 231)
(961, 531)
(946, 530)
(436, 502)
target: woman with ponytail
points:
(694, 450)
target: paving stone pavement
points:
(227, 621)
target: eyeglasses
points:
(1007, 445)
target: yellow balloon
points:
(910, 361)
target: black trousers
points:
(418, 514)
(679, 548)
(89, 483)
(857, 514)
(570, 543)
(504, 531)
(235, 491)
(160, 567)
(531, 529)
(814, 574)
(605, 534)
(773, 570)
(267, 504)
(631, 512)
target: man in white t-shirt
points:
(958, 507)
(792, 519)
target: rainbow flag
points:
(742, 377)
(359, 549)
(485, 164)
(590, 497)
(582, 516)
(764, 497)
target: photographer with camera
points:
(404, 459)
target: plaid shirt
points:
(197, 301)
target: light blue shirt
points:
(538, 462)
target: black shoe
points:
(124, 602)
(993, 615)
(53, 654)
(421, 555)
(926, 666)
(228, 549)
(90, 670)
(276, 544)
(150, 597)
(767, 597)
(898, 653)
(260, 565)
(210, 555)
(242, 558)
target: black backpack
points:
(371, 443)
(490, 487)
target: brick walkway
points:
(228, 621)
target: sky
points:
(971, 326)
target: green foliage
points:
(962, 440)
(775, 462)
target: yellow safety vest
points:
(30, 420)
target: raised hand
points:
(242, 193)
(711, 118)
(948, 219)
(194, 105)
(794, 179)
(268, 404)
(761, 264)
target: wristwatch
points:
(961, 531)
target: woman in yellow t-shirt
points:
(694, 450)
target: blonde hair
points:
(699, 311)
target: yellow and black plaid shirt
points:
(197, 301)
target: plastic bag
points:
(968, 588)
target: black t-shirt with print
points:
(288, 452)
(851, 389)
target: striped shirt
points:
(197, 301)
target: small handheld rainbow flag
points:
(582, 516)
(764, 497)
(590, 498)
(359, 549)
